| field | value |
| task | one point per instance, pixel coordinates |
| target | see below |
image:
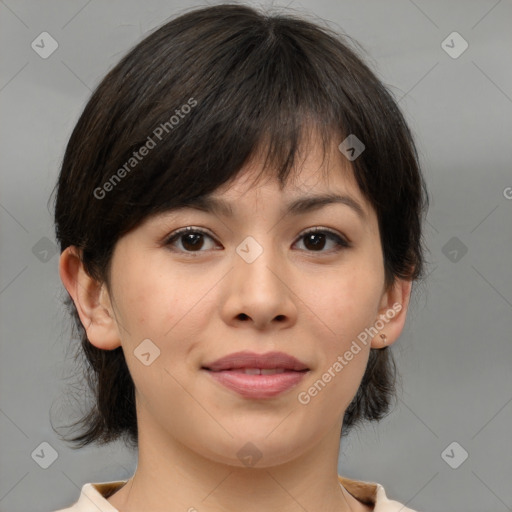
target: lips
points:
(252, 361)
(257, 376)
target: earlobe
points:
(91, 301)
(392, 313)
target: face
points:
(306, 283)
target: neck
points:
(171, 477)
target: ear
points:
(392, 313)
(91, 299)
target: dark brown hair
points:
(220, 85)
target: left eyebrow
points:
(298, 206)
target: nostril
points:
(243, 316)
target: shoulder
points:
(373, 495)
(387, 505)
(93, 497)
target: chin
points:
(256, 451)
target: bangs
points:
(260, 100)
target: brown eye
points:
(192, 239)
(315, 240)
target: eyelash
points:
(340, 242)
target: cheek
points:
(150, 297)
(344, 306)
(347, 302)
(141, 303)
(164, 303)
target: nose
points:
(259, 289)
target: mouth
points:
(255, 371)
(257, 376)
(252, 361)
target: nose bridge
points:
(257, 289)
(257, 257)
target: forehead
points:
(317, 182)
(318, 177)
(296, 205)
(321, 176)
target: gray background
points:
(455, 354)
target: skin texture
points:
(207, 303)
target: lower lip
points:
(258, 386)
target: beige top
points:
(93, 496)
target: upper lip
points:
(253, 360)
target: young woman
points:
(239, 212)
